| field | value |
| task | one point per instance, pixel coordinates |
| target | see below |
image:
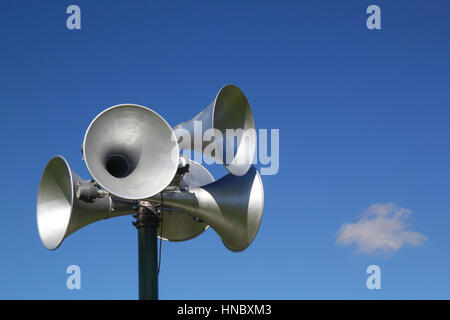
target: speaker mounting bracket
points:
(146, 216)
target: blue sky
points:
(363, 118)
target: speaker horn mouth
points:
(232, 111)
(254, 215)
(131, 151)
(54, 202)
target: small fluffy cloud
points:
(382, 228)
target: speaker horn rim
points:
(233, 168)
(174, 145)
(259, 215)
(72, 195)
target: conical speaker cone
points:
(178, 225)
(131, 151)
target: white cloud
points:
(382, 228)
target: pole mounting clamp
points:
(146, 216)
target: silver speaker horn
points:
(178, 225)
(232, 206)
(229, 110)
(60, 212)
(131, 151)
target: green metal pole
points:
(147, 223)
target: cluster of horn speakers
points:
(133, 156)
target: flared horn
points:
(224, 131)
(60, 213)
(232, 206)
(131, 151)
